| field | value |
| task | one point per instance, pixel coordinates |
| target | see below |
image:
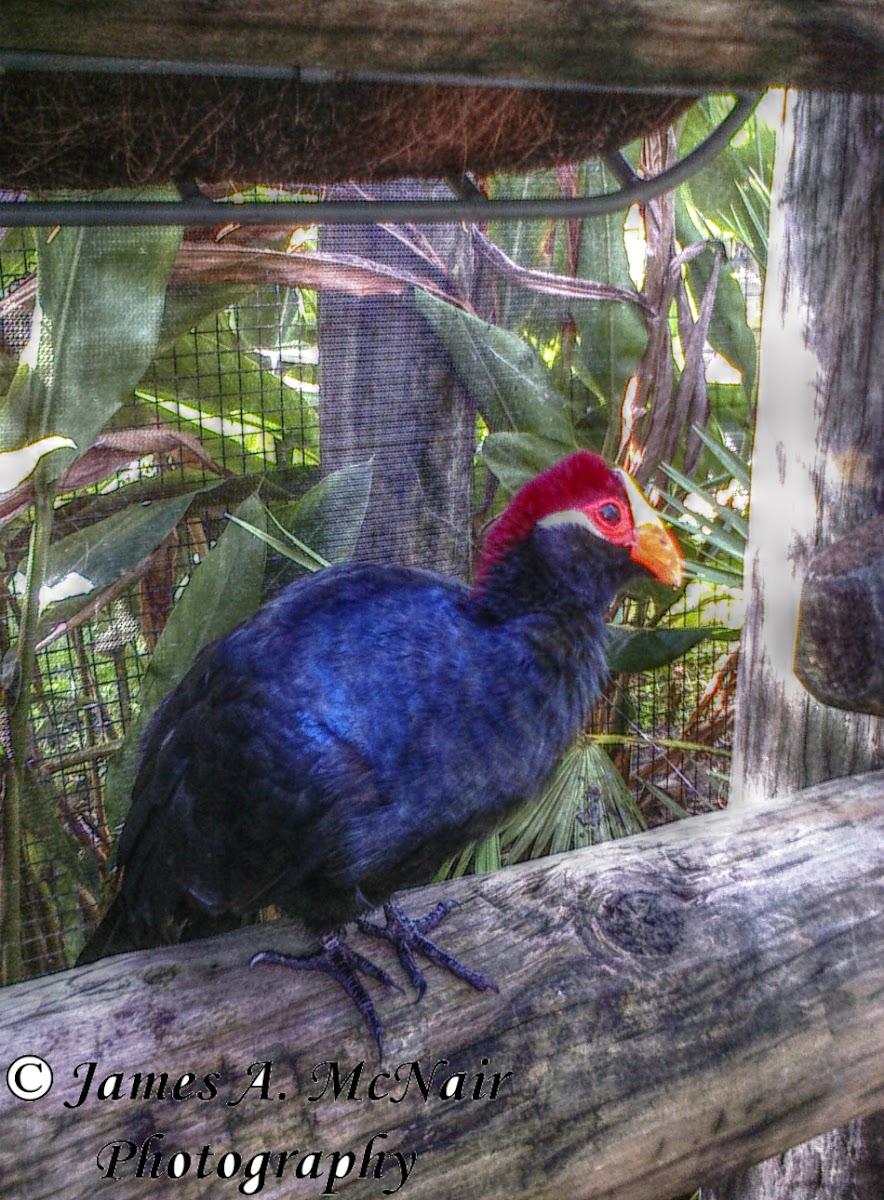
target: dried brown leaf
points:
(204, 263)
(113, 450)
(157, 589)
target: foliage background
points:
(187, 369)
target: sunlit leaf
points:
(17, 465)
(208, 371)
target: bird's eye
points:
(610, 513)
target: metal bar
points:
(367, 212)
(32, 60)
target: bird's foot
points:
(342, 964)
(410, 938)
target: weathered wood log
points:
(640, 43)
(839, 655)
(670, 1006)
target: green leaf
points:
(273, 319)
(100, 302)
(86, 562)
(612, 334)
(733, 542)
(586, 801)
(712, 605)
(517, 457)
(329, 516)
(527, 243)
(509, 383)
(632, 649)
(292, 549)
(610, 810)
(223, 591)
(729, 407)
(672, 805)
(41, 819)
(188, 306)
(735, 192)
(736, 466)
(718, 574)
(729, 332)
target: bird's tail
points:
(112, 936)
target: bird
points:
(369, 722)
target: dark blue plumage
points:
(367, 724)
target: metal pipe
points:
(367, 212)
(35, 60)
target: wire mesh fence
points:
(277, 385)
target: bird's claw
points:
(342, 964)
(409, 938)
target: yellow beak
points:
(655, 548)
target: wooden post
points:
(388, 393)
(818, 461)
(683, 1001)
(818, 472)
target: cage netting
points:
(316, 394)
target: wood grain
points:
(731, 43)
(817, 474)
(818, 455)
(670, 1006)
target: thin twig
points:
(80, 758)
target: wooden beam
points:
(671, 1006)
(643, 43)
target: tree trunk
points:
(388, 393)
(818, 472)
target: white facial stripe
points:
(642, 512)
(569, 516)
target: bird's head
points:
(582, 493)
